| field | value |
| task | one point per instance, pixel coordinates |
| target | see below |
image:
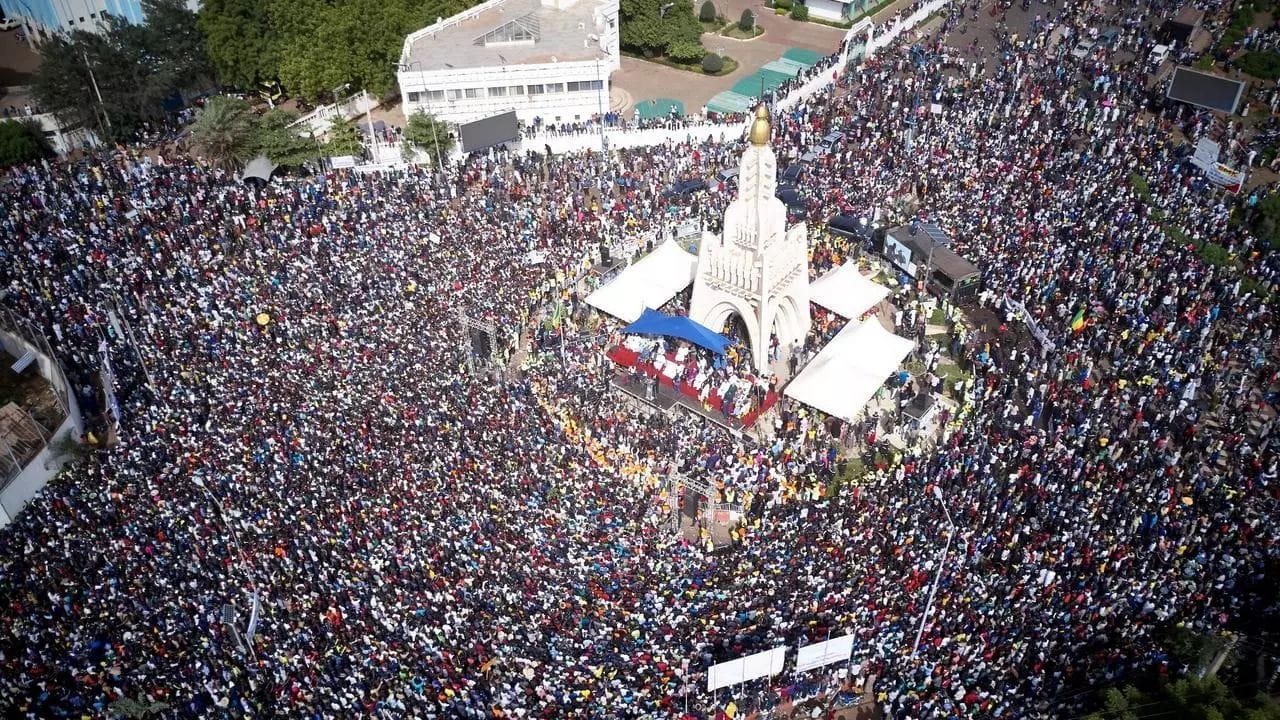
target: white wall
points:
(33, 477)
(41, 469)
(826, 9)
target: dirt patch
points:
(31, 392)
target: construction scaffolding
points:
(467, 325)
(21, 439)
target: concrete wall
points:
(15, 496)
(33, 477)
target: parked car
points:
(1107, 38)
(831, 141)
(727, 174)
(9, 24)
(686, 187)
(1159, 54)
(793, 173)
(1082, 49)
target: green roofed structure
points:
(808, 58)
(730, 102)
(659, 108)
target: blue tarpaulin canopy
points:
(653, 322)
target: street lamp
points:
(426, 94)
(244, 559)
(937, 575)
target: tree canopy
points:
(429, 134)
(1187, 699)
(313, 46)
(20, 142)
(135, 69)
(646, 28)
(225, 132)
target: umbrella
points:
(259, 168)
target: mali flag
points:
(1077, 322)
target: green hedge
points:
(1263, 65)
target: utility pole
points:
(1220, 657)
(94, 81)
(368, 116)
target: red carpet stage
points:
(630, 359)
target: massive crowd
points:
(426, 542)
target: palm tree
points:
(224, 132)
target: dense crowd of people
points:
(298, 426)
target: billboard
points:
(828, 652)
(751, 667)
(484, 134)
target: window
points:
(585, 85)
(413, 97)
(473, 92)
(555, 87)
(93, 15)
(435, 95)
(516, 89)
(455, 94)
(498, 91)
(535, 90)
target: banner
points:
(835, 650)
(751, 667)
(1017, 310)
(1206, 158)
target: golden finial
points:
(760, 127)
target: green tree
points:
(747, 21)
(282, 144)
(225, 132)
(686, 52)
(428, 133)
(242, 45)
(707, 13)
(174, 39)
(799, 11)
(344, 139)
(1266, 219)
(62, 83)
(21, 142)
(133, 68)
(712, 64)
(1186, 699)
(644, 27)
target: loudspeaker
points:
(481, 345)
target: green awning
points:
(658, 108)
(729, 102)
(803, 56)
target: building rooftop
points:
(508, 32)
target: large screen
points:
(1205, 90)
(484, 134)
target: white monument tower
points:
(757, 268)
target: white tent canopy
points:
(849, 370)
(845, 292)
(649, 283)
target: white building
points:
(757, 268)
(836, 10)
(548, 59)
(43, 18)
